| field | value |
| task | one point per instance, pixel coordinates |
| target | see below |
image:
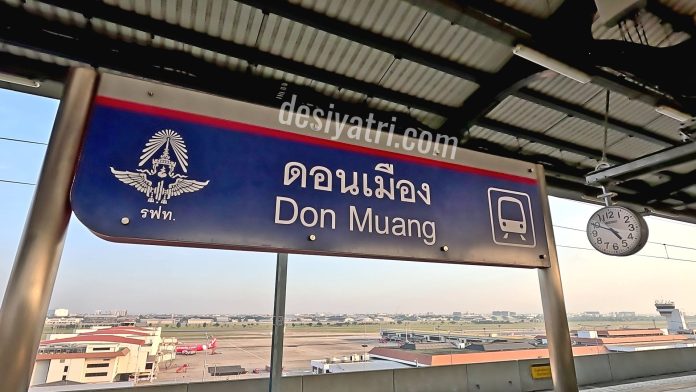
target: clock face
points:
(617, 231)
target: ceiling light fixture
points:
(14, 79)
(673, 113)
(545, 61)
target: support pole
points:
(555, 318)
(278, 323)
(30, 286)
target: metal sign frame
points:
(35, 268)
(223, 173)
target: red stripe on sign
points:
(275, 133)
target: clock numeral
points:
(616, 231)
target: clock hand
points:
(616, 233)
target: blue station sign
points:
(168, 166)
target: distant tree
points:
(216, 325)
(399, 322)
(205, 325)
(178, 324)
(311, 324)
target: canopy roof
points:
(444, 66)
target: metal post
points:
(278, 323)
(29, 289)
(555, 318)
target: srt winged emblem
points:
(161, 183)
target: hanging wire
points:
(642, 27)
(635, 27)
(16, 182)
(606, 127)
(638, 255)
(627, 31)
(9, 139)
(665, 246)
(621, 30)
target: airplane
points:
(192, 349)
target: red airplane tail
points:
(212, 346)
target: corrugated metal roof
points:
(565, 156)
(32, 54)
(507, 141)
(583, 133)
(632, 148)
(524, 114)
(566, 89)
(248, 26)
(402, 21)
(539, 8)
(415, 79)
(427, 118)
(392, 18)
(314, 47)
(624, 109)
(687, 7)
(302, 43)
(452, 41)
(658, 33)
(665, 126)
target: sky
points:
(96, 274)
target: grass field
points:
(189, 333)
(235, 330)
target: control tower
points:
(675, 318)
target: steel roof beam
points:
(571, 190)
(647, 164)
(483, 17)
(515, 73)
(568, 182)
(399, 49)
(51, 76)
(572, 18)
(671, 188)
(31, 68)
(679, 22)
(590, 116)
(538, 137)
(114, 14)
